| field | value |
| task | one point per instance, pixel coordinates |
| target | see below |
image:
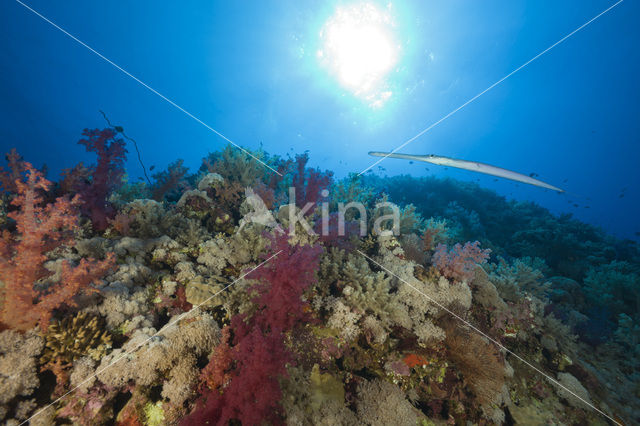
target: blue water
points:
(250, 71)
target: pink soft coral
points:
(40, 228)
(459, 262)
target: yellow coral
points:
(75, 337)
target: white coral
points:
(168, 355)
(18, 365)
(343, 319)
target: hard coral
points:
(18, 366)
(40, 229)
(168, 356)
(75, 337)
(233, 164)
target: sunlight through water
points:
(359, 48)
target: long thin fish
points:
(473, 166)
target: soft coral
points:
(309, 183)
(106, 175)
(281, 283)
(459, 262)
(253, 394)
(40, 229)
(14, 172)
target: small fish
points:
(495, 180)
(410, 162)
(621, 196)
(575, 205)
(151, 168)
(533, 175)
(587, 207)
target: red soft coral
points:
(253, 395)
(281, 283)
(170, 183)
(459, 262)
(106, 175)
(260, 354)
(40, 229)
(309, 183)
(216, 373)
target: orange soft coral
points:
(40, 229)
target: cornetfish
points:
(473, 166)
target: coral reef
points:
(75, 337)
(216, 302)
(39, 230)
(459, 262)
(18, 368)
(96, 183)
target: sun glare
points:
(358, 47)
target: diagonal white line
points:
(146, 86)
(494, 85)
(492, 340)
(169, 325)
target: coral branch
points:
(459, 262)
(253, 395)
(106, 175)
(309, 183)
(14, 173)
(40, 229)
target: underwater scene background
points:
(193, 232)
